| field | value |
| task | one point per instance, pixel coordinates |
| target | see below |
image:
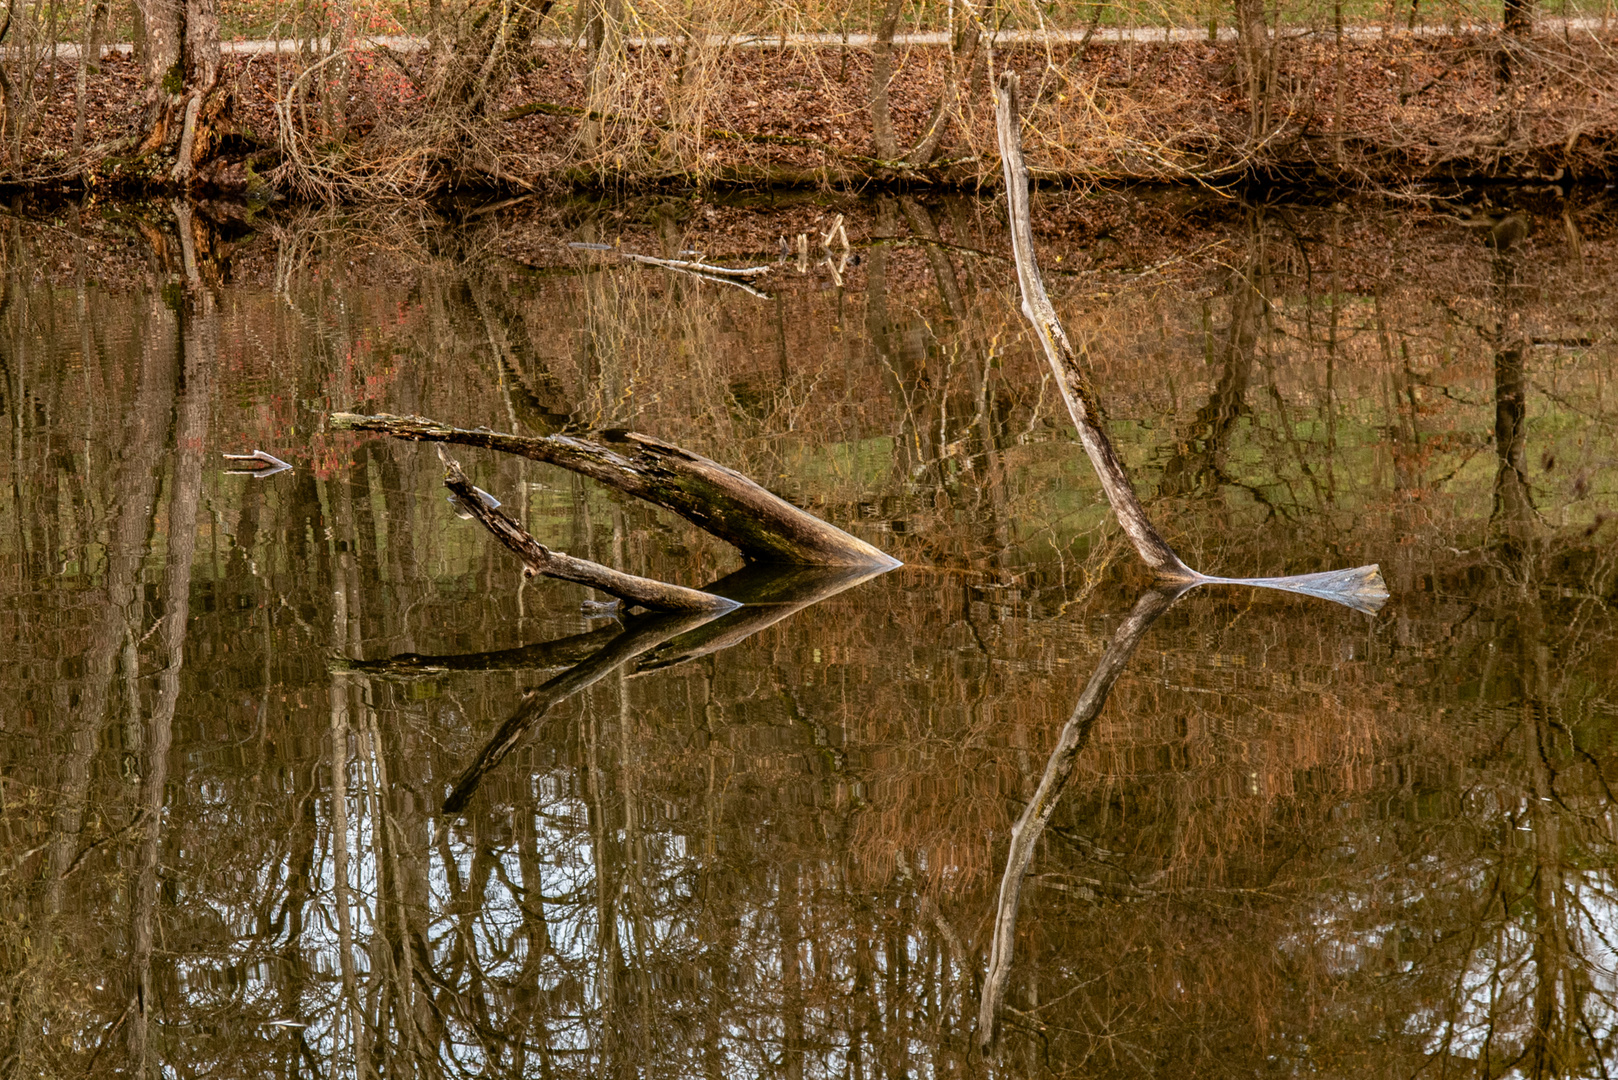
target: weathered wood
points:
(1058, 771)
(1361, 588)
(721, 501)
(640, 637)
(539, 559)
(1071, 376)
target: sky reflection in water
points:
(1298, 838)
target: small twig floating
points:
(258, 463)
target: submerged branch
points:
(541, 560)
(763, 526)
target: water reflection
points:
(1296, 838)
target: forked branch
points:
(763, 526)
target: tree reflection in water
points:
(1296, 839)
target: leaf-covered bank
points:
(1322, 109)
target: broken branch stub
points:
(539, 559)
(721, 501)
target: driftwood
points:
(1058, 771)
(541, 560)
(1360, 588)
(763, 526)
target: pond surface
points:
(1300, 839)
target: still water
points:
(1301, 840)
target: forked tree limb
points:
(721, 501)
(541, 560)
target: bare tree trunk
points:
(89, 56)
(161, 48)
(887, 144)
(335, 96)
(965, 66)
(1519, 17)
(1254, 52)
(203, 104)
(180, 63)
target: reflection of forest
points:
(1297, 840)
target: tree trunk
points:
(180, 63)
(887, 143)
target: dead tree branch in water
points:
(1360, 588)
(764, 527)
(1058, 771)
(541, 560)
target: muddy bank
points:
(1312, 109)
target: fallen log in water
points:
(541, 560)
(763, 526)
